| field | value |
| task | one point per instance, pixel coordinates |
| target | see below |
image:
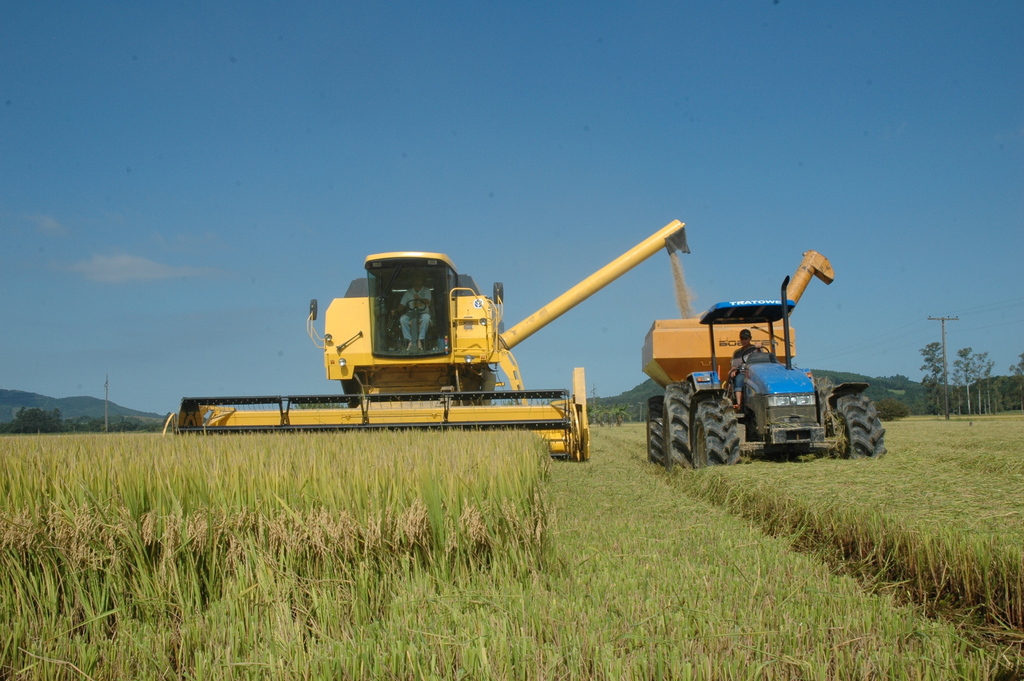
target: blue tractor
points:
(749, 398)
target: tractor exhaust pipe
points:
(785, 323)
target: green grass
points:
(609, 570)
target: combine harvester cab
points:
(416, 344)
(698, 422)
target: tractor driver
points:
(415, 306)
(736, 372)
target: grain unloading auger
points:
(415, 344)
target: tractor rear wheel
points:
(676, 425)
(655, 430)
(716, 434)
(861, 434)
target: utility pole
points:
(945, 369)
(106, 401)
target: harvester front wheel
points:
(861, 434)
(676, 425)
(580, 436)
(655, 430)
(716, 434)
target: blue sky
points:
(179, 179)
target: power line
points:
(867, 345)
(991, 326)
(913, 331)
(994, 306)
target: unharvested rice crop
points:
(110, 539)
(357, 497)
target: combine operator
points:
(415, 309)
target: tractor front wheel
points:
(716, 434)
(676, 425)
(655, 430)
(860, 434)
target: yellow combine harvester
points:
(415, 344)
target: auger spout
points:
(814, 264)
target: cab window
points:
(409, 308)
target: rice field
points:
(468, 555)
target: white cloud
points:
(47, 224)
(116, 269)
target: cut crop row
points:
(932, 519)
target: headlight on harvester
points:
(801, 399)
(469, 359)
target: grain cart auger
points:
(699, 421)
(415, 344)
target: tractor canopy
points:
(745, 312)
(753, 313)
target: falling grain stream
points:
(682, 293)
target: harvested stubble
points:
(669, 586)
(941, 518)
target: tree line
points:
(972, 387)
(35, 420)
(612, 414)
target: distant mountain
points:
(898, 387)
(70, 407)
(640, 393)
